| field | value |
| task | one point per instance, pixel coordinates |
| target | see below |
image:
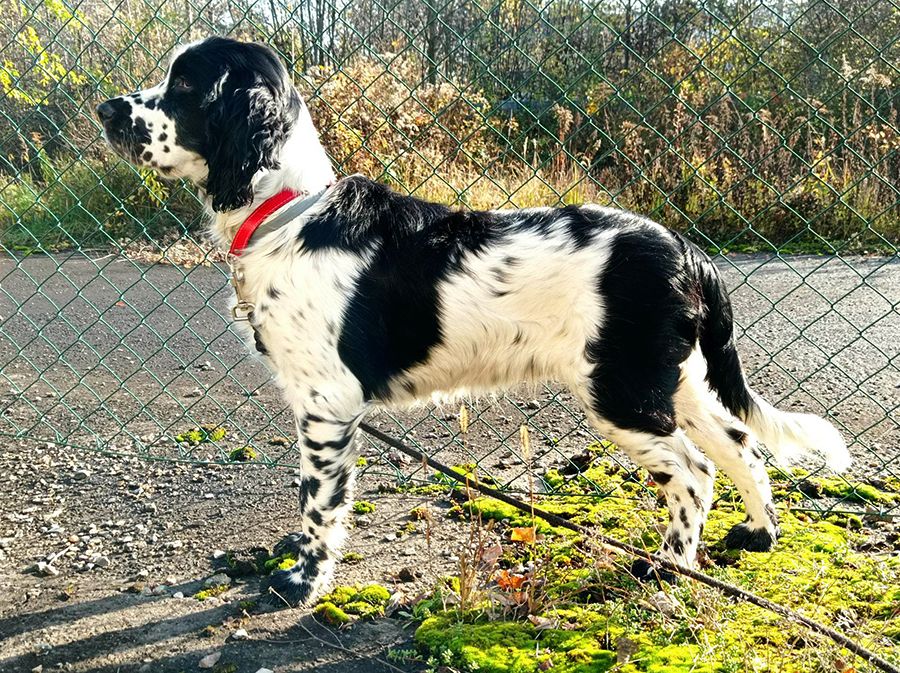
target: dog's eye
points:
(180, 83)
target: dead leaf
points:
(526, 535)
(491, 555)
(509, 581)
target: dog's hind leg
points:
(684, 476)
(326, 434)
(731, 445)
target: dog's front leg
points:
(326, 433)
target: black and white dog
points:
(363, 297)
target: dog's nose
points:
(106, 111)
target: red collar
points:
(257, 217)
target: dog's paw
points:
(742, 536)
(644, 571)
(289, 588)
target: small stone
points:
(363, 520)
(196, 392)
(390, 537)
(178, 594)
(81, 475)
(210, 660)
(100, 561)
(40, 668)
(44, 569)
(240, 634)
(217, 580)
(406, 575)
(265, 670)
(219, 553)
(160, 590)
(174, 544)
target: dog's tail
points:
(786, 435)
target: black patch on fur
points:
(738, 436)
(682, 516)
(661, 478)
(162, 137)
(652, 317)
(258, 342)
(273, 292)
(723, 373)
(391, 322)
(309, 488)
(339, 492)
(696, 499)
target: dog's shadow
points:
(122, 632)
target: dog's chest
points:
(298, 302)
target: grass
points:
(84, 204)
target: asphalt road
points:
(109, 353)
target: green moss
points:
(374, 594)
(244, 454)
(331, 614)
(814, 568)
(363, 507)
(283, 562)
(352, 558)
(512, 647)
(362, 461)
(858, 492)
(345, 603)
(340, 595)
(201, 435)
(217, 590)
(363, 609)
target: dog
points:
(358, 296)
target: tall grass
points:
(774, 177)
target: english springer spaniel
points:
(359, 296)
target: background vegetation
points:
(753, 126)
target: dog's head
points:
(220, 116)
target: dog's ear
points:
(249, 114)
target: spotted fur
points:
(371, 298)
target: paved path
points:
(91, 345)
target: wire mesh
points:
(768, 132)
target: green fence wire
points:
(768, 132)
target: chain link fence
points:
(768, 132)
